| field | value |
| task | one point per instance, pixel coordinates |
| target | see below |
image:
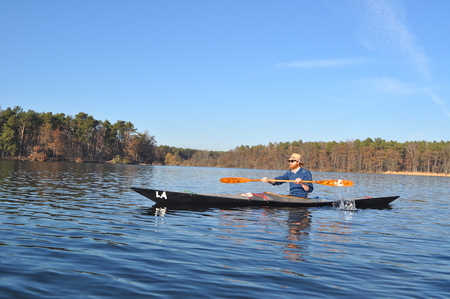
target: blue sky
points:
(215, 75)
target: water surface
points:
(77, 231)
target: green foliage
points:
(119, 160)
(371, 155)
(58, 137)
(65, 138)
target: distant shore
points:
(417, 173)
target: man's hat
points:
(296, 157)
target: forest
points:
(58, 137)
(33, 136)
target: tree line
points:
(354, 156)
(28, 135)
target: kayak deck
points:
(162, 197)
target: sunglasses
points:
(292, 161)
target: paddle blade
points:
(236, 180)
(335, 183)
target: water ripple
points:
(77, 230)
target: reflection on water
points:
(77, 231)
(291, 226)
(298, 222)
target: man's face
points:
(293, 164)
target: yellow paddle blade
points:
(233, 180)
(335, 183)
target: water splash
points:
(343, 202)
(347, 205)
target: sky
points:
(215, 75)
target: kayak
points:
(168, 198)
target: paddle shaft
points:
(273, 180)
(335, 183)
(290, 181)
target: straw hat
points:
(296, 157)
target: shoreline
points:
(417, 173)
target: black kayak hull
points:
(168, 198)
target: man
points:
(298, 174)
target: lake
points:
(77, 231)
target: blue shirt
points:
(297, 189)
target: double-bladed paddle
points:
(334, 183)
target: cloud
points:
(441, 103)
(390, 86)
(384, 85)
(371, 91)
(321, 63)
(384, 19)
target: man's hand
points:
(298, 181)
